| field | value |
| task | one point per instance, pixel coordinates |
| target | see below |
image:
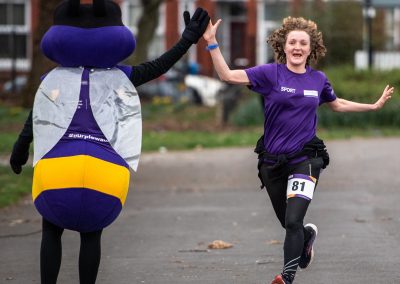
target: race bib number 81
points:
(301, 186)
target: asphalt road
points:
(179, 202)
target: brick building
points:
(20, 17)
(237, 34)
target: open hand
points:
(195, 26)
(209, 34)
(386, 95)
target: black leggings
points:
(51, 252)
(290, 212)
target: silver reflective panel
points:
(114, 102)
(55, 104)
(116, 108)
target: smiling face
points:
(297, 49)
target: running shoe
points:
(308, 250)
(279, 280)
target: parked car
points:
(204, 89)
(19, 83)
(169, 87)
(179, 86)
(174, 85)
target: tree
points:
(146, 29)
(40, 64)
(341, 23)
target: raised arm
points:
(194, 29)
(342, 105)
(224, 72)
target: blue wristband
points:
(211, 46)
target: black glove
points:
(195, 26)
(20, 154)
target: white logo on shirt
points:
(288, 90)
(310, 93)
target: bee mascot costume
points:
(86, 126)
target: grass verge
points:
(177, 140)
(13, 187)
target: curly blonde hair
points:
(278, 38)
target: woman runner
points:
(290, 155)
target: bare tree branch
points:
(146, 29)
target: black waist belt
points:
(283, 158)
(314, 148)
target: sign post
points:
(368, 13)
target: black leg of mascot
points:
(86, 126)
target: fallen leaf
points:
(218, 244)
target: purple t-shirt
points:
(290, 104)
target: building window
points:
(14, 46)
(237, 9)
(14, 34)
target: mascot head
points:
(88, 35)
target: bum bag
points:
(312, 149)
